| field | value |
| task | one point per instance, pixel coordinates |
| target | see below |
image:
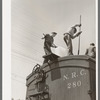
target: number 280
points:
(74, 84)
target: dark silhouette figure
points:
(91, 51)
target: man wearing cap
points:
(71, 35)
(48, 43)
(91, 51)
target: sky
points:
(31, 18)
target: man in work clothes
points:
(48, 43)
(71, 35)
(91, 51)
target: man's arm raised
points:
(76, 35)
(77, 25)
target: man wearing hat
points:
(91, 51)
(48, 43)
(71, 35)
